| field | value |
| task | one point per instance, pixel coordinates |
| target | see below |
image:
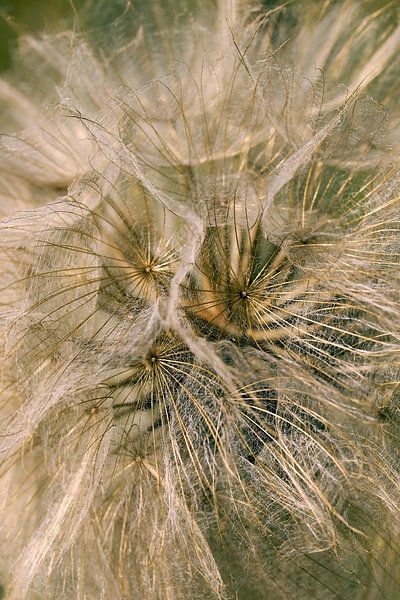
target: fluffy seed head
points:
(199, 312)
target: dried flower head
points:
(199, 310)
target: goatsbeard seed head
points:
(199, 312)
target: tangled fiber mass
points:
(199, 304)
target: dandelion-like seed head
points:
(199, 312)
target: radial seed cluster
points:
(199, 305)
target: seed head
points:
(199, 309)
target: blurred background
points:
(29, 15)
(17, 16)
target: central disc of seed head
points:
(148, 269)
(151, 361)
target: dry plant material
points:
(199, 257)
